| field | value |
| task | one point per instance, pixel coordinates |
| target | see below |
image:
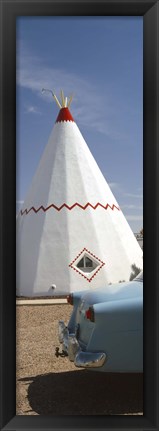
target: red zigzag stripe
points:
(22, 212)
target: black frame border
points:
(10, 10)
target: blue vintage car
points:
(105, 331)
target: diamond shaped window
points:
(87, 264)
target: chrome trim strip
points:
(61, 329)
(63, 336)
(73, 347)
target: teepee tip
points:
(65, 101)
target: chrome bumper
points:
(72, 348)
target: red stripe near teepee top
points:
(64, 115)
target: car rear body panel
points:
(115, 338)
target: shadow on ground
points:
(84, 392)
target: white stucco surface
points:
(50, 239)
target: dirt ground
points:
(50, 385)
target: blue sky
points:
(100, 61)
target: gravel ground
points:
(47, 385)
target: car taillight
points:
(90, 314)
(70, 299)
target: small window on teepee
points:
(87, 264)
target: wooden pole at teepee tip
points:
(53, 95)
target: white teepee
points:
(71, 233)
